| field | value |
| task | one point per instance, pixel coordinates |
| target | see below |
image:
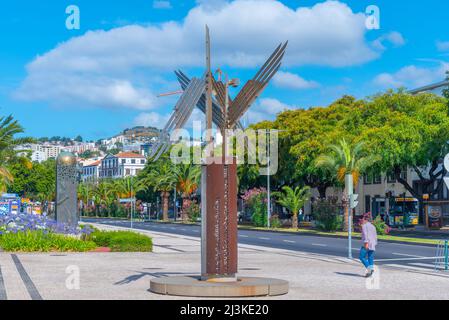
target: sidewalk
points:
(422, 232)
(127, 275)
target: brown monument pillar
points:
(219, 219)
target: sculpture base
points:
(193, 286)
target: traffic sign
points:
(353, 200)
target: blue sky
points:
(105, 77)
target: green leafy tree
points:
(407, 132)
(446, 92)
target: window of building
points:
(391, 178)
(377, 179)
(133, 161)
(368, 179)
(128, 172)
(367, 203)
(142, 161)
(123, 161)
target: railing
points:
(442, 256)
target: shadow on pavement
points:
(349, 274)
(139, 275)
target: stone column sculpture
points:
(66, 189)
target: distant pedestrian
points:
(369, 242)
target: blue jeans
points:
(367, 258)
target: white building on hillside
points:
(91, 171)
(122, 165)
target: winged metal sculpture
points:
(194, 95)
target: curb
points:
(303, 234)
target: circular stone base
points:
(192, 286)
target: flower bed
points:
(33, 233)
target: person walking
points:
(369, 243)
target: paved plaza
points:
(127, 275)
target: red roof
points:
(129, 155)
(94, 164)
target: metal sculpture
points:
(182, 112)
(66, 189)
(219, 175)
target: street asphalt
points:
(398, 255)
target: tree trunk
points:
(295, 221)
(322, 191)
(184, 215)
(165, 198)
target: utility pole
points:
(349, 191)
(268, 181)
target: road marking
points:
(183, 229)
(406, 267)
(407, 255)
(243, 236)
(32, 290)
(197, 231)
(261, 238)
(428, 265)
(319, 245)
(3, 295)
(409, 259)
(289, 241)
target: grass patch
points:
(122, 241)
(39, 241)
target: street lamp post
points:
(349, 191)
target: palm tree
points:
(8, 153)
(104, 194)
(346, 160)
(85, 193)
(187, 176)
(128, 187)
(293, 200)
(162, 178)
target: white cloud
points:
(151, 119)
(292, 81)
(265, 109)
(412, 76)
(161, 4)
(443, 45)
(394, 37)
(115, 68)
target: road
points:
(398, 255)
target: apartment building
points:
(122, 165)
(91, 171)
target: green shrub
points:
(275, 222)
(327, 217)
(259, 207)
(193, 211)
(381, 227)
(123, 241)
(39, 241)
